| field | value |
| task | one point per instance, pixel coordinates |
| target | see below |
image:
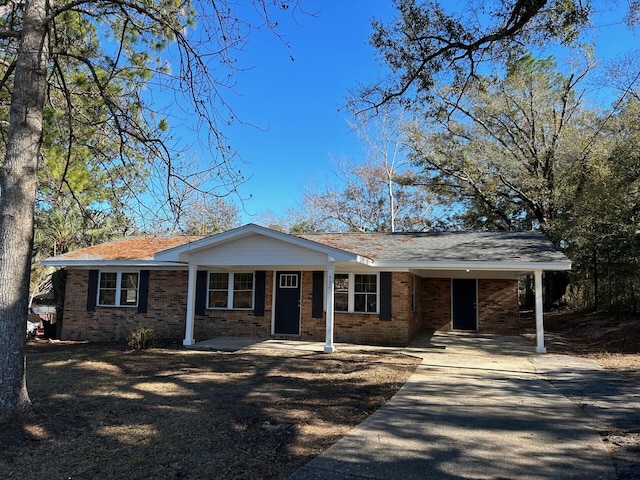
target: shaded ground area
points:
(104, 412)
(476, 408)
(613, 344)
(612, 341)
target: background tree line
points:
(519, 148)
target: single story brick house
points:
(366, 288)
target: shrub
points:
(140, 337)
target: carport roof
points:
(492, 247)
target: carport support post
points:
(540, 348)
(329, 347)
(191, 306)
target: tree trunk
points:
(18, 183)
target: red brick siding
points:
(435, 298)
(497, 305)
(498, 310)
(165, 314)
(243, 323)
(362, 328)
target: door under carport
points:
(464, 303)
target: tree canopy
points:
(79, 120)
(513, 142)
(509, 149)
(431, 43)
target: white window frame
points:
(352, 292)
(118, 289)
(230, 290)
(289, 280)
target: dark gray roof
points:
(516, 247)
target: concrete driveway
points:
(476, 408)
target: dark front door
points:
(464, 300)
(287, 309)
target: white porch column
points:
(329, 347)
(540, 348)
(191, 306)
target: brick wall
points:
(243, 323)
(435, 303)
(498, 310)
(497, 305)
(166, 311)
(363, 328)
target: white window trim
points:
(230, 290)
(119, 274)
(352, 292)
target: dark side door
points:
(465, 304)
(287, 308)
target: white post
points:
(191, 306)
(540, 348)
(329, 346)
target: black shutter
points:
(385, 295)
(92, 290)
(201, 292)
(316, 294)
(143, 291)
(258, 308)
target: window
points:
(243, 290)
(230, 290)
(289, 280)
(118, 289)
(357, 293)
(365, 293)
(341, 292)
(218, 290)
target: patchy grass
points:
(110, 413)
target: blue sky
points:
(296, 106)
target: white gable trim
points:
(200, 248)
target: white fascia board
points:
(365, 261)
(101, 264)
(496, 266)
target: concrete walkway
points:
(476, 408)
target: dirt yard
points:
(103, 412)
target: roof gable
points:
(250, 244)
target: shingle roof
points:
(130, 248)
(445, 246)
(382, 248)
